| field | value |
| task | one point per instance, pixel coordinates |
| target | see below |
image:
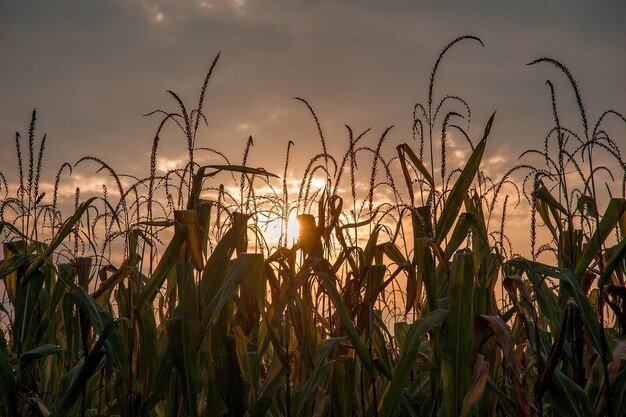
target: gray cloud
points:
(93, 68)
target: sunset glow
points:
(277, 230)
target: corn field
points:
(401, 296)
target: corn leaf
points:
(101, 320)
(159, 275)
(40, 352)
(458, 334)
(342, 383)
(505, 341)
(183, 354)
(461, 186)
(408, 356)
(612, 216)
(304, 396)
(616, 259)
(246, 264)
(475, 393)
(83, 371)
(567, 398)
(405, 149)
(570, 289)
(8, 393)
(345, 318)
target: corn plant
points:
(386, 305)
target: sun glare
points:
(275, 229)
(318, 183)
(293, 229)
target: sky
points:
(93, 69)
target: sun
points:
(293, 229)
(318, 183)
(276, 229)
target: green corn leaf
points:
(408, 356)
(216, 266)
(345, 318)
(160, 273)
(410, 404)
(475, 393)
(612, 216)
(184, 359)
(273, 381)
(14, 262)
(567, 398)
(342, 383)
(505, 341)
(241, 350)
(555, 351)
(506, 402)
(545, 196)
(304, 396)
(83, 371)
(71, 325)
(392, 252)
(461, 186)
(370, 248)
(12, 229)
(101, 320)
(40, 352)
(547, 301)
(458, 334)
(423, 260)
(27, 308)
(161, 380)
(459, 234)
(148, 342)
(405, 149)
(102, 294)
(239, 168)
(9, 268)
(382, 359)
(616, 259)
(405, 173)
(480, 239)
(8, 393)
(275, 341)
(245, 265)
(523, 305)
(486, 278)
(50, 314)
(252, 296)
(570, 289)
